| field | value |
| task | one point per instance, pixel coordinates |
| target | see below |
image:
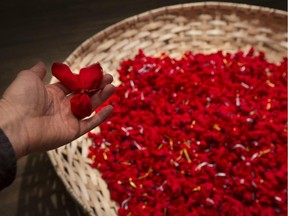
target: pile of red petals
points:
(199, 135)
(82, 85)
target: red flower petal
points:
(81, 105)
(90, 77)
(202, 135)
(63, 73)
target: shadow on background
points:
(44, 194)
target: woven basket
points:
(198, 27)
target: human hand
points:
(37, 117)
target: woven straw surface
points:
(198, 27)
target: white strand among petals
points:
(245, 85)
(138, 146)
(210, 200)
(124, 204)
(220, 174)
(239, 146)
(255, 155)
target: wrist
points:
(11, 124)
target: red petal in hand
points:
(90, 77)
(63, 73)
(81, 105)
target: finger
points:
(92, 122)
(107, 79)
(39, 69)
(101, 96)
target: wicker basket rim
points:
(162, 10)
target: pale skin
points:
(37, 117)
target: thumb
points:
(39, 69)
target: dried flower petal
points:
(81, 105)
(63, 73)
(90, 77)
(83, 85)
(205, 134)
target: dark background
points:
(49, 30)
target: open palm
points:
(41, 114)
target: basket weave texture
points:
(197, 27)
